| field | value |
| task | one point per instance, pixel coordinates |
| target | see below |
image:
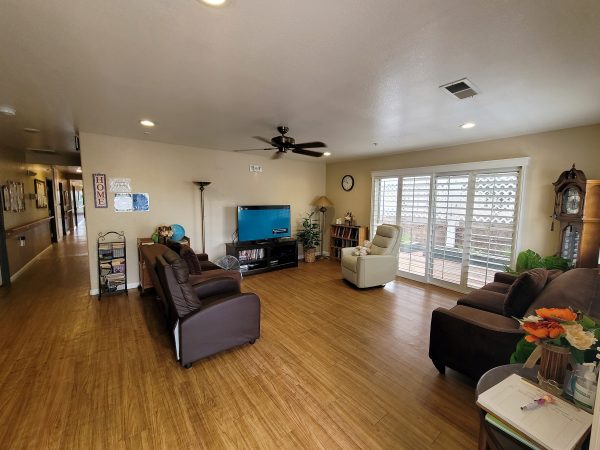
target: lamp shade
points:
(323, 202)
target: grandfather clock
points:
(569, 191)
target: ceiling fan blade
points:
(302, 151)
(254, 149)
(268, 141)
(315, 144)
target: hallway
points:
(60, 348)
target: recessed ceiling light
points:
(8, 110)
(214, 2)
(31, 130)
(467, 125)
(327, 154)
(146, 123)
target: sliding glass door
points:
(458, 227)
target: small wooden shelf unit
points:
(341, 236)
(112, 263)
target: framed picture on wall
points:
(40, 194)
(6, 198)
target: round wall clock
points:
(347, 182)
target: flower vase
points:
(553, 367)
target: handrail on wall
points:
(27, 226)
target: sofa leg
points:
(251, 342)
(440, 366)
(187, 366)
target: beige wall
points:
(550, 153)
(166, 172)
(13, 168)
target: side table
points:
(490, 437)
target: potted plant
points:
(309, 235)
(528, 259)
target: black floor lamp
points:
(201, 185)
(322, 203)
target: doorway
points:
(51, 210)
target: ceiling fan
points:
(284, 143)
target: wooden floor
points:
(335, 368)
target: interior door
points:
(51, 210)
(61, 200)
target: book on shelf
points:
(559, 425)
(495, 422)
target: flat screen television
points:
(263, 222)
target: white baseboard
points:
(26, 266)
(130, 286)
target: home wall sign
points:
(100, 198)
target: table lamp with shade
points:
(322, 203)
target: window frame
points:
(498, 165)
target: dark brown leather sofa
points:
(207, 271)
(207, 316)
(479, 333)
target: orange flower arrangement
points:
(560, 314)
(561, 327)
(552, 324)
(542, 330)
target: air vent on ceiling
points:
(461, 89)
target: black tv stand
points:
(259, 257)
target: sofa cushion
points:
(188, 255)
(576, 288)
(182, 294)
(496, 286)
(485, 300)
(523, 292)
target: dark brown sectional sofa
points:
(479, 333)
(206, 312)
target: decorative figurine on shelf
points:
(349, 219)
(164, 232)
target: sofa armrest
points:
(202, 256)
(371, 264)
(224, 323)
(216, 286)
(505, 277)
(347, 251)
(471, 341)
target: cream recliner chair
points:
(380, 266)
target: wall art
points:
(100, 197)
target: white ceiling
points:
(347, 72)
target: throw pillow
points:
(188, 255)
(524, 291)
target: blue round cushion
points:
(178, 232)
